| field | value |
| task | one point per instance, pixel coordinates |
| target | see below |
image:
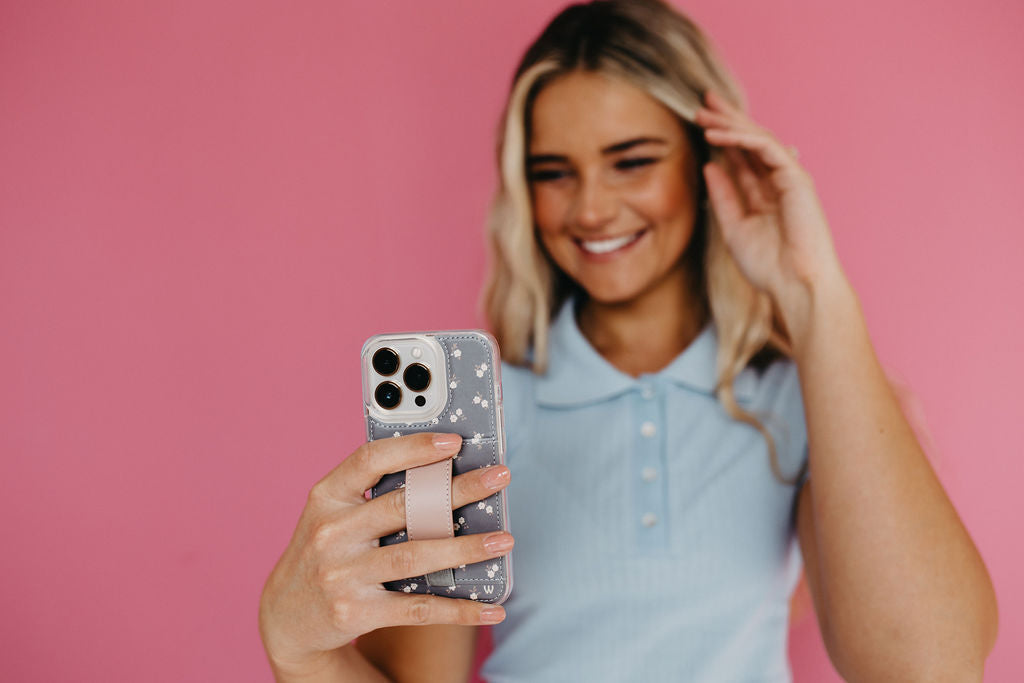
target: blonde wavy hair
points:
(661, 51)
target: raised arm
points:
(900, 590)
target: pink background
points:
(205, 207)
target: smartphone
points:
(443, 381)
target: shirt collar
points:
(577, 374)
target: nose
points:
(596, 205)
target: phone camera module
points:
(388, 394)
(417, 377)
(385, 362)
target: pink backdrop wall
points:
(196, 197)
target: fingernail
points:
(447, 442)
(498, 542)
(494, 477)
(492, 615)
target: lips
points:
(608, 245)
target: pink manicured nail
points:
(495, 477)
(447, 442)
(492, 615)
(497, 542)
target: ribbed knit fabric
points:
(652, 541)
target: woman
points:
(682, 349)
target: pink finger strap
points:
(428, 509)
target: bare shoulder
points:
(409, 654)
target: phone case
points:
(472, 409)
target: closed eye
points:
(627, 164)
(623, 165)
(542, 176)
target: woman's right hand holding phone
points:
(326, 588)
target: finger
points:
(709, 118)
(717, 121)
(741, 160)
(727, 115)
(373, 459)
(764, 174)
(416, 558)
(386, 514)
(752, 185)
(398, 609)
(717, 103)
(767, 148)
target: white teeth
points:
(606, 246)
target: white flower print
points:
(491, 571)
(401, 534)
(458, 411)
(453, 417)
(483, 403)
(477, 399)
(462, 520)
(481, 505)
(490, 510)
(455, 526)
(434, 421)
(397, 434)
(453, 384)
(456, 351)
(480, 369)
(473, 595)
(410, 587)
(476, 438)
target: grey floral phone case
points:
(465, 388)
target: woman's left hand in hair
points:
(773, 223)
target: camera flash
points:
(416, 352)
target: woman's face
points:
(612, 180)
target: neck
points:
(646, 333)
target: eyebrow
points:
(610, 149)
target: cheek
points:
(548, 209)
(666, 197)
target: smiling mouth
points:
(607, 246)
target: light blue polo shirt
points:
(653, 542)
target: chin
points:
(613, 292)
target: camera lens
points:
(388, 395)
(417, 377)
(385, 361)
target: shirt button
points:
(649, 473)
(648, 429)
(649, 519)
